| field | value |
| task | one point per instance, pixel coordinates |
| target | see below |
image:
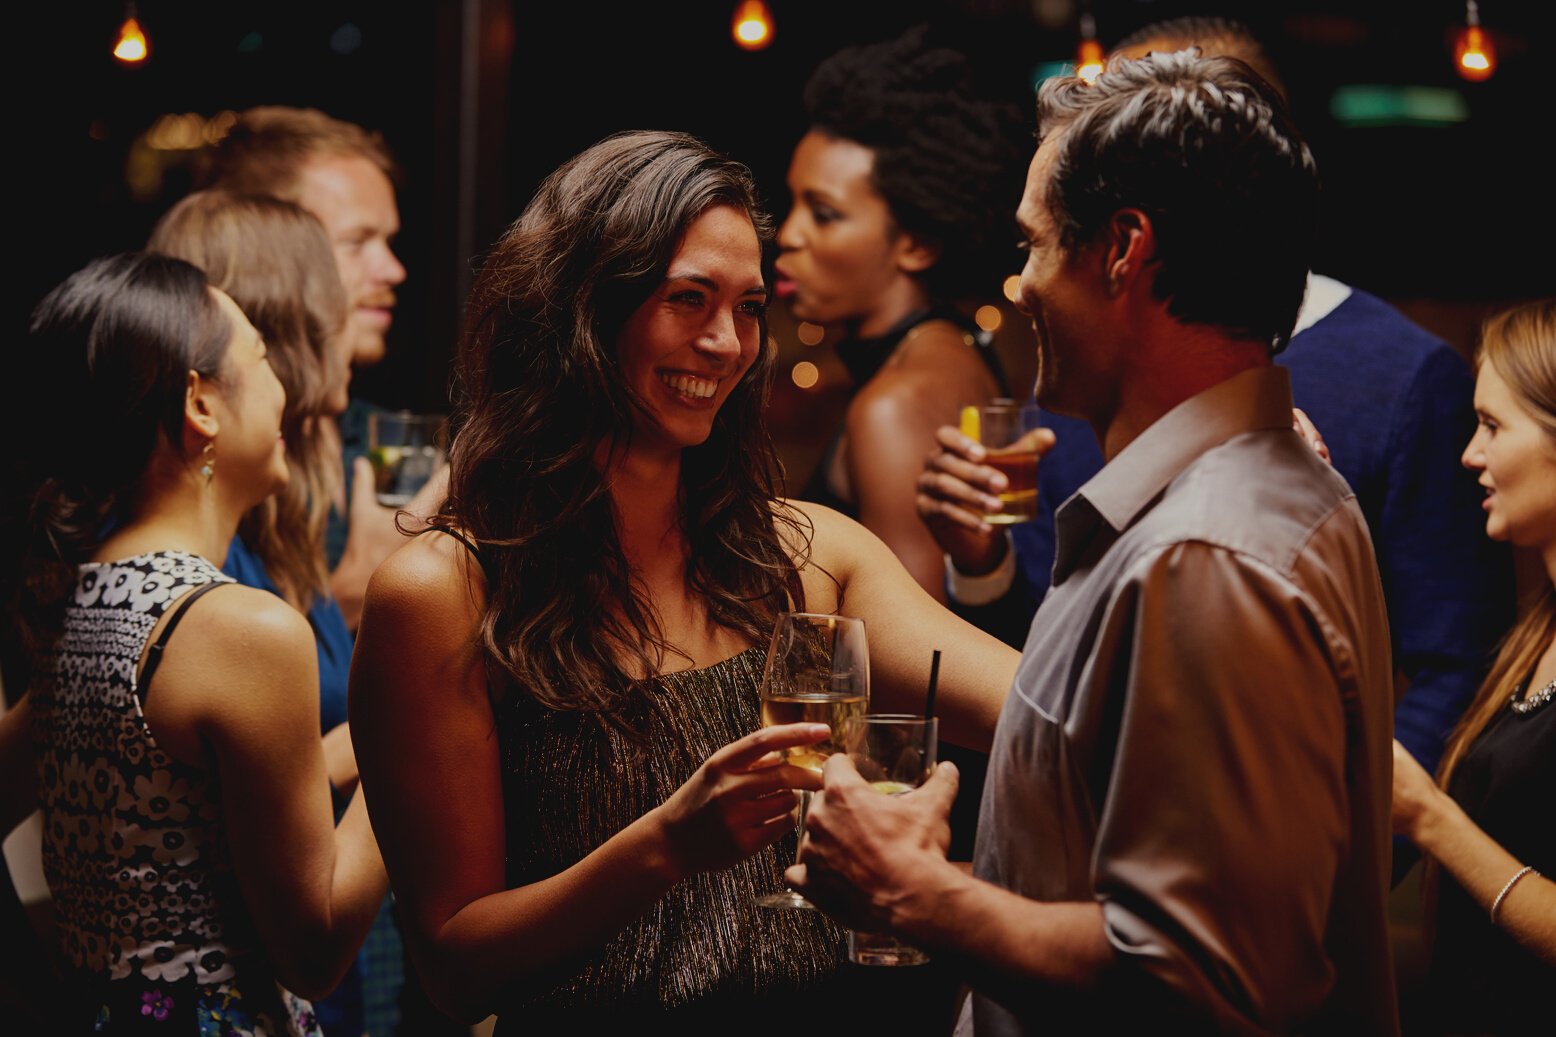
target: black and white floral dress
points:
(147, 907)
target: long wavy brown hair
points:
(1520, 343)
(539, 397)
(275, 260)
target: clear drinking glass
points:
(895, 753)
(998, 424)
(818, 671)
(406, 448)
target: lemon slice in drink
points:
(891, 788)
(970, 422)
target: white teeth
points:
(690, 385)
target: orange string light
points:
(1473, 56)
(1088, 58)
(130, 47)
(753, 25)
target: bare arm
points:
(889, 430)
(891, 426)
(242, 677)
(426, 741)
(373, 535)
(1431, 819)
(905, 625)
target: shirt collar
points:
(1255, 399)
(1323, 296)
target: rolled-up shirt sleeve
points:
(1224, 816)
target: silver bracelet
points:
(1520, 873)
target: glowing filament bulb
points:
(753, 25)
(1473, 55)
(1088, 62)
(131, 45)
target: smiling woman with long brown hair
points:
(556, 705)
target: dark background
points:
(480, 99)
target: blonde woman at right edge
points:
(1487, 820)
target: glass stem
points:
(799, 828)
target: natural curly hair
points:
(949, 158)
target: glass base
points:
(874, 949)
(787, 899)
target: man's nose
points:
(387, 267)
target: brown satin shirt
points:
(1198, 736)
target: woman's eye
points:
(754, 308)
(688, 298)
(823, 214)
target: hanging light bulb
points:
(1473, 56)
(1088, 59)
(130, 48)
(753, 25)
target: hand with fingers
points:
(1308, 431)
(740, 800)
(956, 489)
(874, 861)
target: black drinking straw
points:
(934, 675)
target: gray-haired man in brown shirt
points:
(1186, 814)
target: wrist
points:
(1431, 817)
(974, 584)
(918, 913)
(659, 855)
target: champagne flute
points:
(818, 671)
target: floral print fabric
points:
(147, 907)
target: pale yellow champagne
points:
(831, 710)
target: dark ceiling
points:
(1456, 213)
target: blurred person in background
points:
(344, 175)
(901, 195)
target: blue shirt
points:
(330, 635)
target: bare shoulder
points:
(833, 539)
(247, 618)
(923, 386)
(939, 350)
(436, 571)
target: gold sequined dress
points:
(705, 951)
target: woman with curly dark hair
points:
(904, 191)
(556, 705)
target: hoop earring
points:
(208, 460)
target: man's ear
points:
(199, 407)
(915, 253)
(1129, 249)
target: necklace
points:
(1528, 704)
